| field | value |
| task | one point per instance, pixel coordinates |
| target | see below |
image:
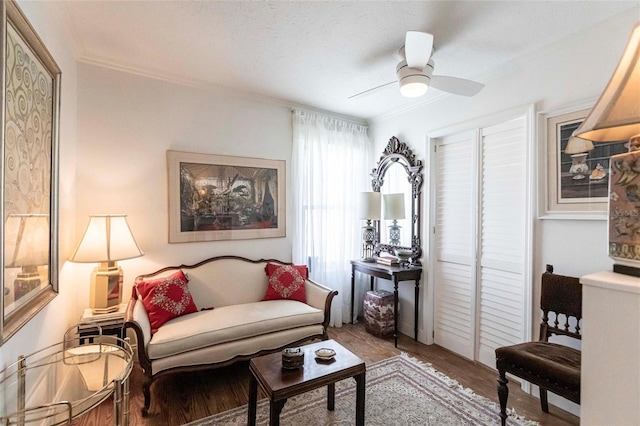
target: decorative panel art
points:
(31, 96)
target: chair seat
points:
(543, 359)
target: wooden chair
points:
(553, 367)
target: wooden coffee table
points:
(280, 384)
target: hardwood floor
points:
(179, 399)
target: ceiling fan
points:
(415, 71)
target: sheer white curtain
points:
(330, 167)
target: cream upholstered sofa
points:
(240, 326)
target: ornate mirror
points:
(398, 172)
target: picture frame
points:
(219, 197)
(30, 102)
(569, 190)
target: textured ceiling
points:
(318, 53)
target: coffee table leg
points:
(360, 396)
(253, 400)
(331, 397)
(275, 408)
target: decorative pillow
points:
(286, 282)
(166, 298)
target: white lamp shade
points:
(616, 115)
(578, 146)
(26, 240)
(393, 206)
(370, 205)
(106, 239)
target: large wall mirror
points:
(28, 232)
(398, 177)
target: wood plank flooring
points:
(179, 399)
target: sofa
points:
(221, 316)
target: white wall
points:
(571, 71)
(50, 324)
(126, 125)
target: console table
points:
(393, 273)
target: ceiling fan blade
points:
(455, 85)
(418, 47)
(371, 91)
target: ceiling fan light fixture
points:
(414, 86)
(413, 82)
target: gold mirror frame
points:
(30, 99)
(397, 152)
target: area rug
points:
(400, 391)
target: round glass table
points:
(63, 381)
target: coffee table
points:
(280, 384)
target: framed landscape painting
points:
(218, 197)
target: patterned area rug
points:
(400, 391)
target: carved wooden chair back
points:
(560, 295)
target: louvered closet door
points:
(502, 233)
(455, 214)
(480, 241)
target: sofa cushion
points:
(229, 323)
(166, 298)
(286, 282)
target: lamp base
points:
(106, 288)
(26, 281)
(368, 242)
(624, 221)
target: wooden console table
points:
(391, 273)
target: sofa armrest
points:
(136, 319)
(320, 297)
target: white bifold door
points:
(481, 239)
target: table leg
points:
(331, 397)
(117, 402)
(415, 316)
(275, 408)
(395, 310)
(253, 400)
(126, 402)
(371, 284)
(353, 287)
(360, 398)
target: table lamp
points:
(616, 117)
(369, 210)
(393, 209)
(106, 240)
(27, 247)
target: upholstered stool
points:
(378, 312)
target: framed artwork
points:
(218, 197)
(577, 183)
(29, 174)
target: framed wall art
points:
(218, 197)
(576, 175)
(31, 107)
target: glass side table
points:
(56, 384)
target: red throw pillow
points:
(286, 282)
(166, 298)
